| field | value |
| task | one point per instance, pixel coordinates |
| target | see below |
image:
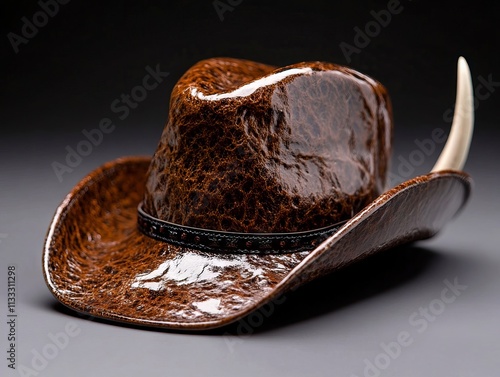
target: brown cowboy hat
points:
(263, 180)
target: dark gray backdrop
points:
(70, 69)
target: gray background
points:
(64, 80)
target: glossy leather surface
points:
(254, 148)
(248, 148)
(97, 262)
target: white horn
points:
(455, 151)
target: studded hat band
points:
(231, 242)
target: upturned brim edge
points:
(95, 260)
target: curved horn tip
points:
(456, 150)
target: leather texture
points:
(254, 148)
(97, 262)
(248, 148)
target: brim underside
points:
(96, 262)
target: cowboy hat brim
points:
(97, 262)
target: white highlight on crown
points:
(251, 87)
